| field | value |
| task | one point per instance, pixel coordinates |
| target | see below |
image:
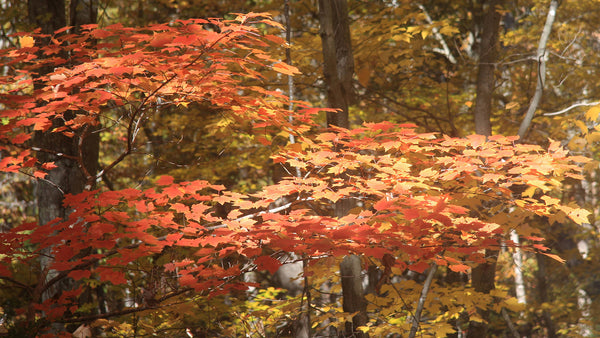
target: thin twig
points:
(256, 214)
(126, 311)
(139, 108)
(511, 325)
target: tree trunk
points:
(338, 62)
(483, 275)
(490, 25)
(353, 295)
(482, 279)
(543, 295)
(82, 12)
(338, 69)
(70, 176)
(49, 15)
(518, 261)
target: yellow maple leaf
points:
(428, 172)
(579, 216)
(26, 41)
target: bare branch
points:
(277, 209)
(541, 78)
(139, 110)
(421, 304)
(511, 325)
(445, 50)
(16, 283)
(126, 311)
(580, 104)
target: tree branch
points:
(421, 304)
(581, 104)
(511, 325)
(541, 78)
(139, 110)
(445, 50)
(80, 266)
(124, 312)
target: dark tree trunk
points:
(338, 69)
(83, 12)
(338, 62)
(70, 176)
(49, 15)
(490, 25)
(542, 290)
(483, 276)
(353, 295)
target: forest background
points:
(323, 168)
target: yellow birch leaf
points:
(593, 137)
(591, 165)
(443, 329)
(363, 328)
(412, 29)
(449, 30)
(582, 126)
(498, 293)
(475, 317)
(577, 143)
(513, 305)
(402, 37)
(592, 113)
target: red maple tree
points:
(419, 199)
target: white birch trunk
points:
(518, 264)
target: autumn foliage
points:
(420, 198)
